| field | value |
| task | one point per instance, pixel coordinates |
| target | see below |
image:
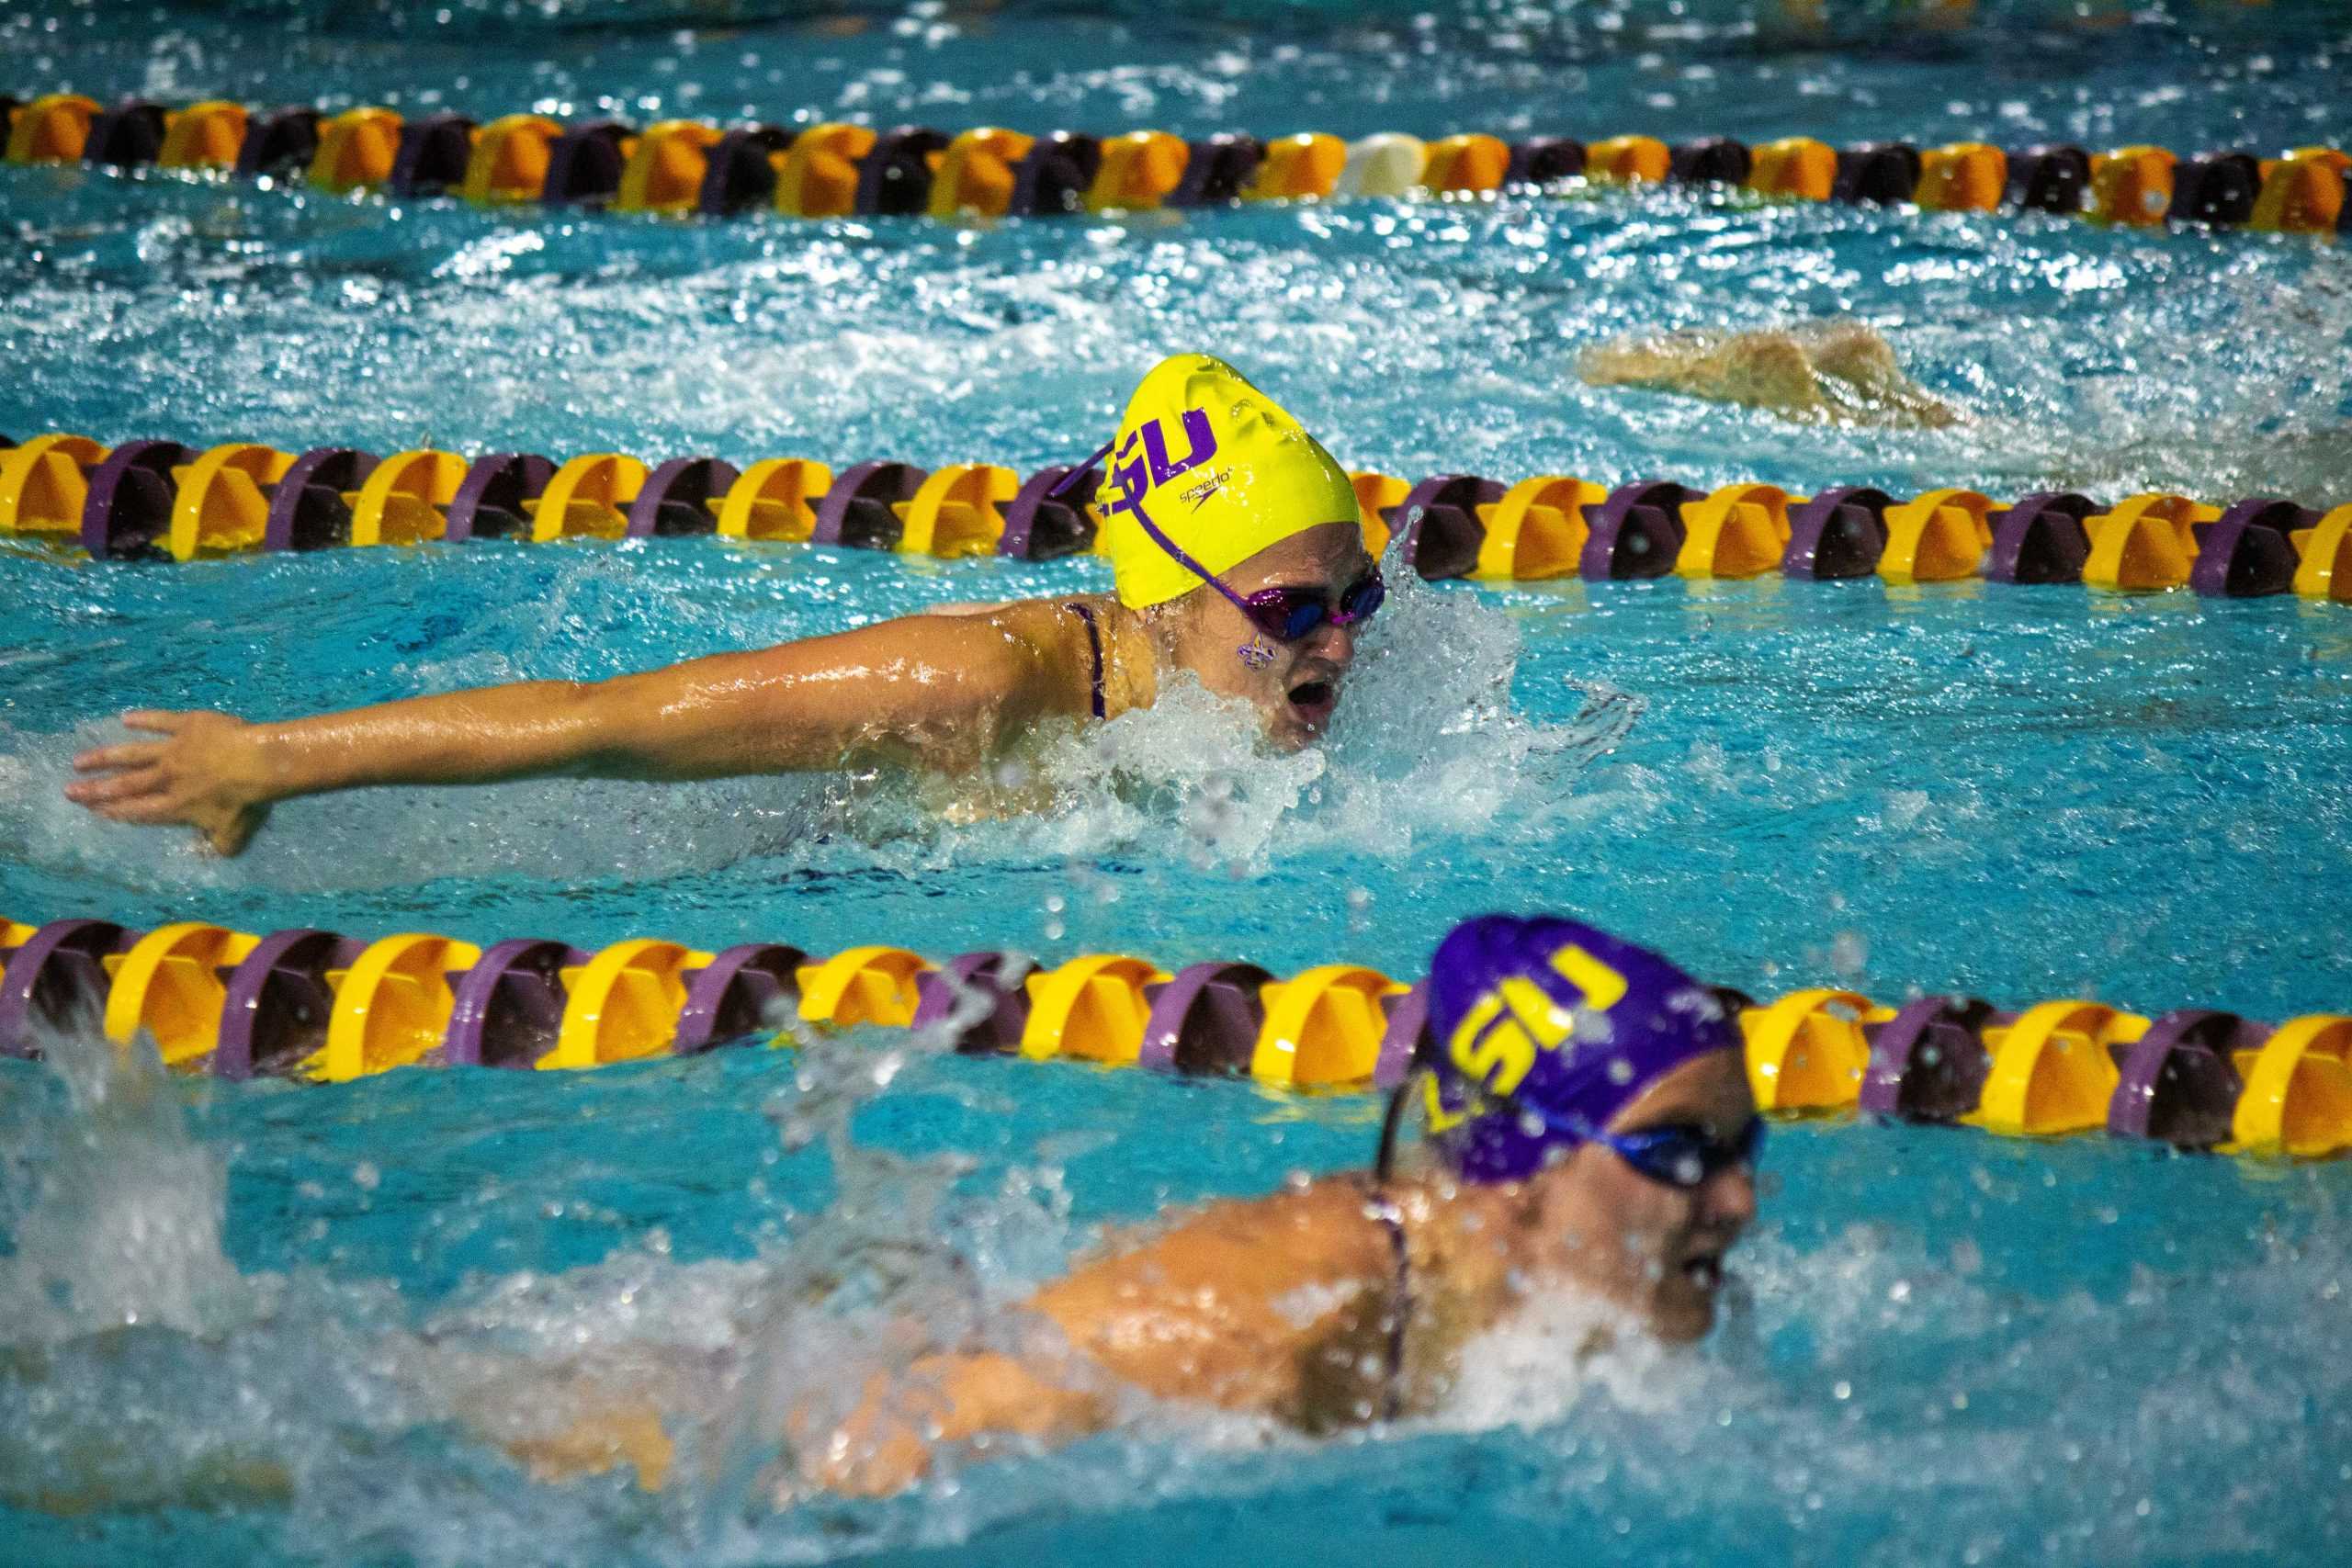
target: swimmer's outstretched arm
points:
(884, 1445)
(1277, 1307)
(932, 689)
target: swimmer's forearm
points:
(533, 729)
(498, 733)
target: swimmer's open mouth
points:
(1706, 1271)
(1314, 698)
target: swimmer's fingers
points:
(148, 810)
(127, 754)
(130, 784)
(227, 834)
(224, 833)
(159, 721)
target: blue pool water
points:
(1947, 1347)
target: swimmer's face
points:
(1654, 1249)
(1296, 692)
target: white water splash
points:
(1426, 744)
(123, 1210)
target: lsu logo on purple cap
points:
(1545, 1030)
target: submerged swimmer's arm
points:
(1254, 1306)
(884, 1445)
(934, 689)
(888, 1442)
(1839, 369)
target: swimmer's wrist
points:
(268, 766)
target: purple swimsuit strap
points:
(1385, 1209)
(1392, 1220)
(1095, 646)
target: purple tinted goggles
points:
(1288, 614)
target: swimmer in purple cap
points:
(1607, 1088)
(1590, 1134)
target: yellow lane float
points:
(357, 150)
(43, 485)
(2148, 542)
(170, 985)
(51, 130)
(1138, 172)
(1091, 1009)
(957, 511)
(1740, 530)
(623, 1003)
(392, 1005)
(1305, 166)
(1807, 1051)
(1323, 1027)
(2055, 1069)
(863, 985)
(774, 498)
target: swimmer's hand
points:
(601, 1439)
(206, 772)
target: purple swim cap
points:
(1545, 1029)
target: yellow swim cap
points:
(1219, 468)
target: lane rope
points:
(684, 167)
(161, 500)
(318, 1006)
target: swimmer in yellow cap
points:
(1239, 559)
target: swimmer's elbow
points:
(611, 729)
(928, 699)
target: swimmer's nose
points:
(1729, 1198)
(1337, 644)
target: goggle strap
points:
(1070, 479)
(1176, 553)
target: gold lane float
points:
(682, 167)
(161, 500)
(318, 1006)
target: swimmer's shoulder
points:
(1324, 1230)
(1043, 621)
(1069, 634)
